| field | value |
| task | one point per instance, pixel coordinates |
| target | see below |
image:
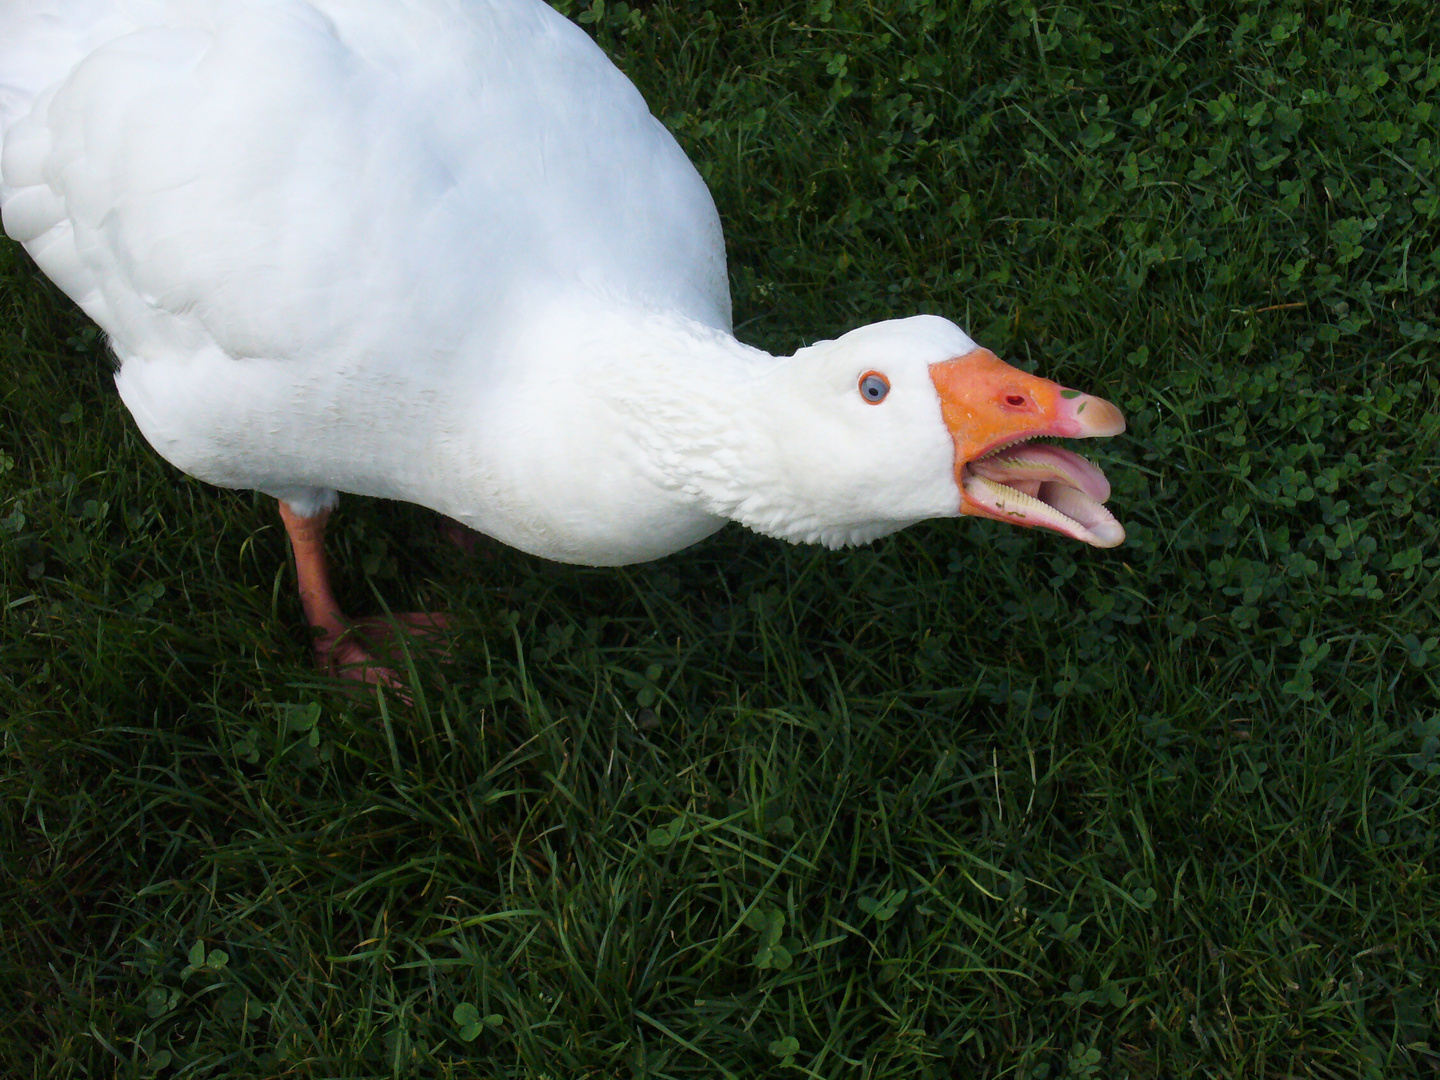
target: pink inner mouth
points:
(1022, 464)
(1044, 485)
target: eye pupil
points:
(874, 387)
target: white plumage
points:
(440, 251)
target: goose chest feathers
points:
(440, 251)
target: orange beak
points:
(991, 410)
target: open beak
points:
(992, 411)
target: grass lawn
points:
(971, 802)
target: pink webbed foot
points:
(367, 649)
(350, 648)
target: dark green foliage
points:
(971, 802)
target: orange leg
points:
(342, 645)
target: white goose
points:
(440, 251)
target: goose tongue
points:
(1027, 466)
(1054, 505)
(1045, 485)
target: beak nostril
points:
(1015, 399)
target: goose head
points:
(909, 419)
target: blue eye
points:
(874, 387)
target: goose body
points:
(359, 246)
(440, 251)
